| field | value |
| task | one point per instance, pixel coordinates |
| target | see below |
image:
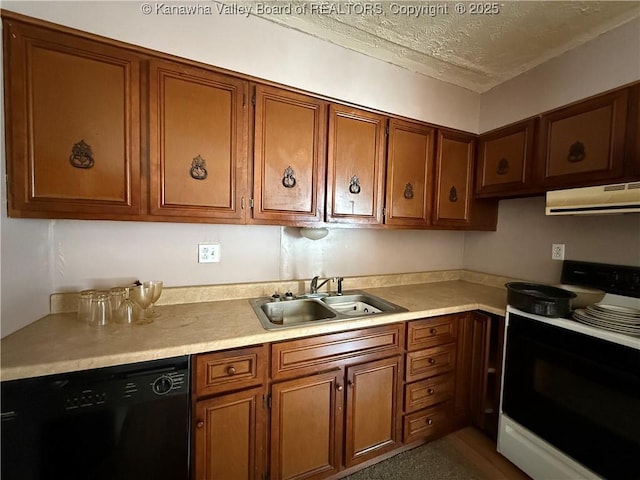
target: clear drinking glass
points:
(128, 311)
(100, 309)
(116, 297)
(157, 291)
(84, 305)
(143, 294)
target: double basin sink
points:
(320, 308)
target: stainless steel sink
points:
(331, 308)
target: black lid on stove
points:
(617, 279)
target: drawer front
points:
(231, 370)
(426, 423)
(315, 354)
(428, 392)
(430, 362)
(432, 331)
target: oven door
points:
(580, 394)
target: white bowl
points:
(585, 295)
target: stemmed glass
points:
(156, 285)
(143, 295)
(128, 312)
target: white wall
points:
(521, 246)
(607, 62)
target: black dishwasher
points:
(129, 422)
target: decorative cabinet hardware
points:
(289, 179)
(408, 191)
(503, 167)
(198, 168)
(81, 155)
(339, 387)
(429, 421)
(453, 194)
(200, 424)
(433, 331)
(231, 370)
(577, 152)
(354, 185)
(431, 391)
(432, 361)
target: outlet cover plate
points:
(557, 251)
(208, 252)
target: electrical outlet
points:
(557, 251)
(208, 252)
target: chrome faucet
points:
(314, 284)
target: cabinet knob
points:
(198, 169)
(408, 191)
(339, 387)
(231, 370)
(433, 331)
(428, 421)
(289, 178)
(431, 391)
(81, 155)
(354, 185)
(349, 384)
(503, 167)
(200, 424)
(432, 361)
(577, 152)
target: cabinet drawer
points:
(428, 392)
(430, 362)
(314, 354)
(426, 423)
(230, 370)
(432, 331)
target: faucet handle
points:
(338, 280)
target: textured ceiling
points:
(473, 51)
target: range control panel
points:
(617, 279)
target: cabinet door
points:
(584, 143)
(306, 426)
(73, 125)
(409, 174)
(289, 157)
(198, 156)
(505, 160)
(230, 436)
(355, 166)
(454, 173)
(373, 410)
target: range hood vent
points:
(604, 199)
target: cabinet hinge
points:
(251, 203)
(253, 100)
(386, 130)
(244, 99)
(384, 211)
(266, 401)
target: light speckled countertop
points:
(58, 343)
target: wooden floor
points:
(481, 453)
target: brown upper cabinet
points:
(454, 176)
(355, 166)
(289, 157)
(505, 158)
(73, 125)
(197, 143)
(410, 166)
(584, 143)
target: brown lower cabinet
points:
(334, 403)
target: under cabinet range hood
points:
(604, 199)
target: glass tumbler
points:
(128, 311)
(100, 309)
(116, 297)
(84, 305)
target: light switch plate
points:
(208, 252)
